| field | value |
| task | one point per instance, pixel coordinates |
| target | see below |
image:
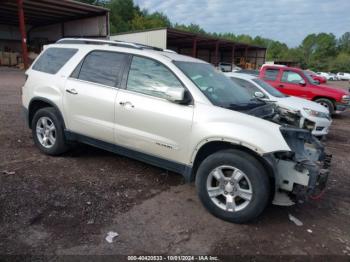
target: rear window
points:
(271, 74)
(53, 59)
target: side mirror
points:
(259, 95)
(175, 94)
(302, 82)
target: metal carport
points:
(59, 18)
(211, 49)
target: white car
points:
(343, 76)
(291, 110)
(328, 76)
(175, 112)
(228, 67)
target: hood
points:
(339, 91)
(296, 103)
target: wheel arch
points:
(213, 146)
(333, 100)
(37, 103)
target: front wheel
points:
(233, 185)
(327, 104)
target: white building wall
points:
(156, 38)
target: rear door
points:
(90, 94)
(145, 120)
(290, 83)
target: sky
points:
(288, 21)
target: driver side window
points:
(150, 77)
(291, 77)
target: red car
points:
(295, 82)
(316, 77)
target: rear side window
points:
(53, 59)
(102, 67)
(271, 74)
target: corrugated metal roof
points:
(46, 12)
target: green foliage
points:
(147, 21)
(320, 52)
(193, 28)
(341, 63)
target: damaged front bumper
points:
(301, 173)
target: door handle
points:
(281, 86)
(72, 91)
(126, 104)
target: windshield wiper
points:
(259, 100)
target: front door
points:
(292, 83)
(145, 120)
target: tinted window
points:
(268, 88)
(291, 77)
(251, 88)
(271, 74)
(150, 77)
(103, 68)
(53, 59)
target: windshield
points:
(268, 88)
(309, 77)
(219, 89)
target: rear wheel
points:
(326, 103)
(233, 186)
(47, 130)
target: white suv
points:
(175, 112)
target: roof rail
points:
(106, 42)
(96, 42)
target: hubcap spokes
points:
(46, 132)
(229, 188)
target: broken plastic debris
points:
(295, 220)
(5, 172)
(309, 230)
(111, 236)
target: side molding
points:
(149, 159)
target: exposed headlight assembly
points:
(315, 113)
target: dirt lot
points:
(67, 204)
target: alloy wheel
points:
(46, 132)
(229, 188)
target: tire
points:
(47, 131)
(254, 177)
(326, 103)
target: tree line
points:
(319, 52)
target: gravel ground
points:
(68, 204)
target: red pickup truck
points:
(295, 82)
